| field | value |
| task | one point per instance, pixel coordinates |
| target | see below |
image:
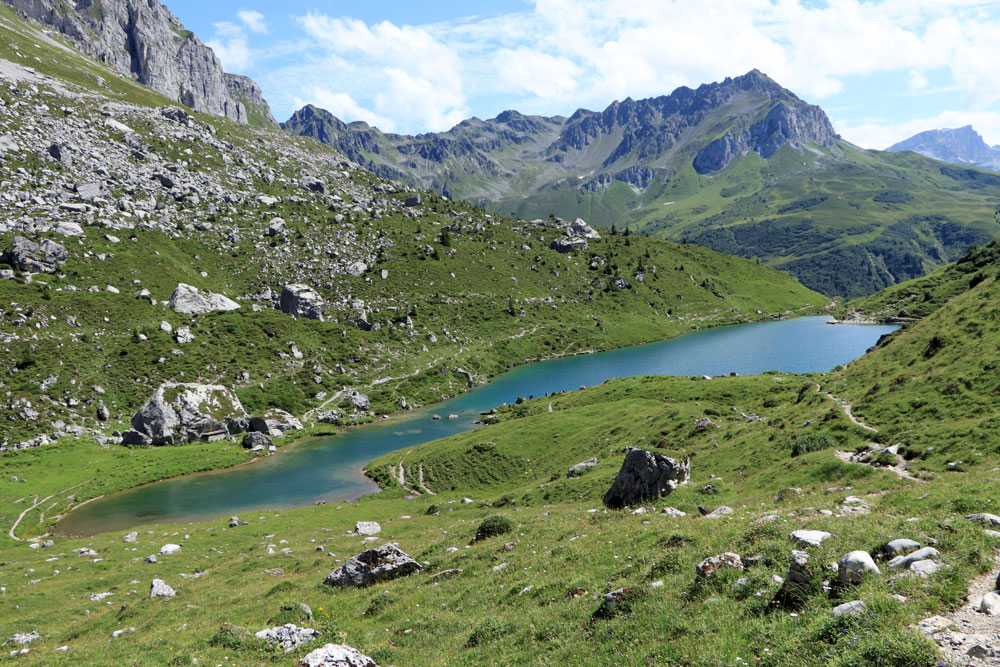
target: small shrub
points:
(277, 589)
(492, 526)
(812, 443)
(433, 509)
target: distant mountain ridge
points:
(142, 39)
(742, 166)
(630, 141)
(960, 145)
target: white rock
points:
(809, 537)
(855, 608)
(853, 565)
(159, 589)
(167, 549)
(337, 655)
(990, 604)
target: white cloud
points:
(231, 46)
(403, 73)
(253, 20)
(559, 55)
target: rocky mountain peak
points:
(960, 145)
(142, 39)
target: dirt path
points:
(967, 636)
(23, 514)
(38, 502)
(862, 459)
(420, 482)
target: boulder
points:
(131, 437)
(719, 512)
(256, 440)
(646, 476)
(276, 227)
(904, 562)
(191, 301)
(798, 581)
(568, 245)
(275, 422)
(178, 413)
(899, 547)
(367, 528)
(337, 655)
(30, 257)
(985, 518)
(301, 301)
(710, 566)
(360, 401)
(854, 608)
(582, 467)
(924, 568)
(159, 589)
(990, 604)
(581, 229)
(373, 566)
(811, 538)
(853, 565)
(287, 636)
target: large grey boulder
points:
(646, 476)
(256, 441)
(360, 401)
(337, 655)
(192, 301)
(581, 229)
(178, 413)
(30, 257)
(301, 301)
(373, 566)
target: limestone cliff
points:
(142, 39)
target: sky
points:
(882, 70)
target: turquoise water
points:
(330, 468)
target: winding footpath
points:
(863, 458)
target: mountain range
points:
(960, 145)
(742, 166)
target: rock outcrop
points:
(192, 301)
(30, 257)
(373, 566)
(337, 655)
(646, 476)
(301, 301)
(178, 413)
(143, 40)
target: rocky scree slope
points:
(347, 285)
(142, 39)
(742, 166)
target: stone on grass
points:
(373, 566)
(159, 589)
(713, 564)
(985, 518)
(900, 546)
(645, 476)
(301, 301)
(287, 636)
(904, 562)
(854, 565)
(131, 537)
(367, 528)
(256, 441)
(812, 538)
(192, 301)
(673, 511)
(337, 655)
(168, 548)
(719, 512)
(582, 467)
(22, 638)
(178, 412)
(854, 608)
(924, 568)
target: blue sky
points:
(883, 70)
